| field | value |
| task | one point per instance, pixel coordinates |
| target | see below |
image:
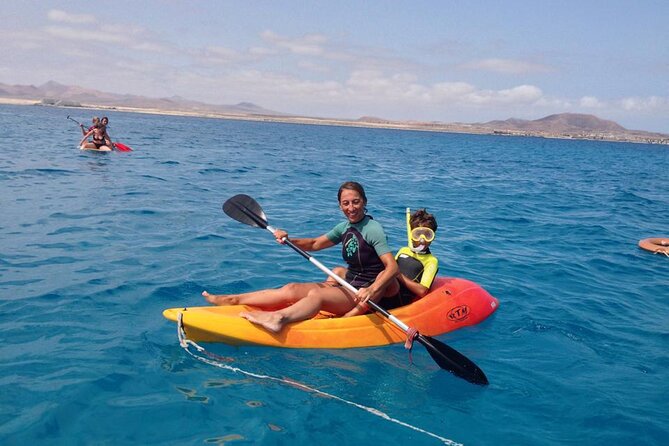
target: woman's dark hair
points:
(423, 218)
(352, 185)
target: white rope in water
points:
(186, 343)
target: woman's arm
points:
(307, 244)
(376, 290)
(85, 137)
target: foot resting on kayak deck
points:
(270, 320)
(220, 299)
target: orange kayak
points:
(452, 303)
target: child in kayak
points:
(418, 266)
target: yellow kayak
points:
(452, 303)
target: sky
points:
(447, 61)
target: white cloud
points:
(307, 45)
(313, 66)
(452, 90)
(523, 94)
(506, 66)
(132, 37)
(376, 89)
(651, 103)
(90, 35)
(221, 53)
(57, 15)
(261, 51)
(591, 102)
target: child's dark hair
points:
(423, 218)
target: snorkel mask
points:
(421, 234)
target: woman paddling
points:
(101, 139)
(371, 268)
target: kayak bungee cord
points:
(216, 361)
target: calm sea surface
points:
(94, 246)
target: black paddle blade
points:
(455, 362)
(245, 210)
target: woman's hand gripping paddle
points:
(246, 210)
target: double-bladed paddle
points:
(245, 209)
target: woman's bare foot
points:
(219, 299)
(269, 320)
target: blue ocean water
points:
(94, 246)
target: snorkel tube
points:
(409, 244)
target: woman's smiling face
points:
(352, 205)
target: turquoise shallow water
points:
(94, 246)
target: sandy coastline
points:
(12, 101)
(631, 136)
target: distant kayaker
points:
(105, 122)
(101, 139)
(371, 268)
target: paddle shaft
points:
(80, 124)
(341, 281)
(71, 119)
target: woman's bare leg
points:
(335, 300)
(338, 270)
(267, 299)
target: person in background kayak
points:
(85, 130)
(105, 122)
(101, 139)
(371, 268)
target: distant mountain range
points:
(559, 123)
(564, 125)
(53, 93)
